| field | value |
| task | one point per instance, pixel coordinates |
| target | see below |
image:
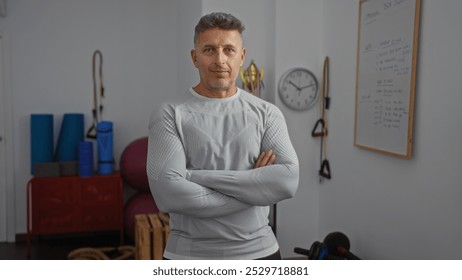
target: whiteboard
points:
(385, 75)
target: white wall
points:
(3, 161)
(188, 14)
(298, 40)
(51, 47)
(395, 208)
(390, 208)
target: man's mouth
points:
(219, 70)
(221, 74)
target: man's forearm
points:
(262, 186)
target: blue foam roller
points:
(41, 139)
(105, 148)
(70, 136)
(86, 159)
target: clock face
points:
(298, 89)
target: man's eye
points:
(208, 50)
(230, 50)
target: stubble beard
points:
(218, 85)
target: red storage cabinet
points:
(73, 204)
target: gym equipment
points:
(324, 171)
(103, 253)
(97, 110)
(70, 135)
(133, 164)
(85, 159)
(105, 148)
(139, 203)
(336, 246)
(41, 139)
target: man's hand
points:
(265, 158)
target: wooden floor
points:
(57, 247)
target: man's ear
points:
(244, 52)
(194, 57)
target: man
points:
(218, 161)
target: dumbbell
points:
(318, 251)
(335, 246)
(312, 253)
(339, 245)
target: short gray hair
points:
(221, 20)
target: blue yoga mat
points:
(86, 159)
(41, 139)
(105, 148)
(70, 136)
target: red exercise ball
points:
(133, 164)
(139, 203)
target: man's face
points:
(218, 55)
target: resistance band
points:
(97, 110)
(324, 171)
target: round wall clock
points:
(298, 89)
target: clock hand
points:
(297, 87)
(310, 85)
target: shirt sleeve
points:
(265, 185)
(166, 170)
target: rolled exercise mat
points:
(105, 147)
(41, 139)
(85, 159)
(70, 136)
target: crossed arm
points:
(268, 183)
(265, 158)
(213, 193)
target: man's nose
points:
(221, 57)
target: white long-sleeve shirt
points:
(201, 157)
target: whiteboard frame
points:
(415, 35)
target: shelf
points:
(58, 205)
